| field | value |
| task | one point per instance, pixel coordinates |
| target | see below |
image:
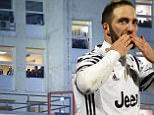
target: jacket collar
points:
(105, 45)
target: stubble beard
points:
(115, 37)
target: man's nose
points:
(130, 28)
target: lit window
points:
(34, 60)
(144, 12)
(80, 34)
(146, 109)
(34, 13)
(6, 61)
(81, 38)
(144, 1)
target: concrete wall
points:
(20, 42)
(56, 49)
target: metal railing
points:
(27, 103)
(57, 103)
(61, 108)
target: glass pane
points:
(144, 1)
(7, 16)
(80, 22)
(6, 59)
(145, 112)
(34, 6)
(79, 30)
(143, 10)
(34, 56)
(35, 71)
(7, 21)
(147, 106)
(5, 4)
(5, 48)
(80, 37)
(5, 54)
(145, 22)
(146, 109)
(34, 59)
(34, 50)
(36, 19)
(6, 70)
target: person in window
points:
(10, 71)
(35, 71)
(28, 73)
(41, 72)
(85, 41)
(1, 71)
(108, 79)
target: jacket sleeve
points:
(146, 74)
(90, 78)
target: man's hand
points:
(122, 45)
(144, 47)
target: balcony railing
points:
(55, 103)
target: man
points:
(108, 79)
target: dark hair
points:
(107, 14)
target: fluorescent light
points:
(2, 52)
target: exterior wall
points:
(20, 42)
(56, 49)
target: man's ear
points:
(106, 29)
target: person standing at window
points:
(10, 71)
(1, 71)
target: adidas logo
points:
(115, 78)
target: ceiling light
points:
(2, 52)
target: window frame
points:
(88, 34)
(8, 63)
(147, 18)
(35, 13)
(33, 65)
(8, 25)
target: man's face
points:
(124, 22)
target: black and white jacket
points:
(108, 85)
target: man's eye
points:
(135, 22)
(124, 22)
